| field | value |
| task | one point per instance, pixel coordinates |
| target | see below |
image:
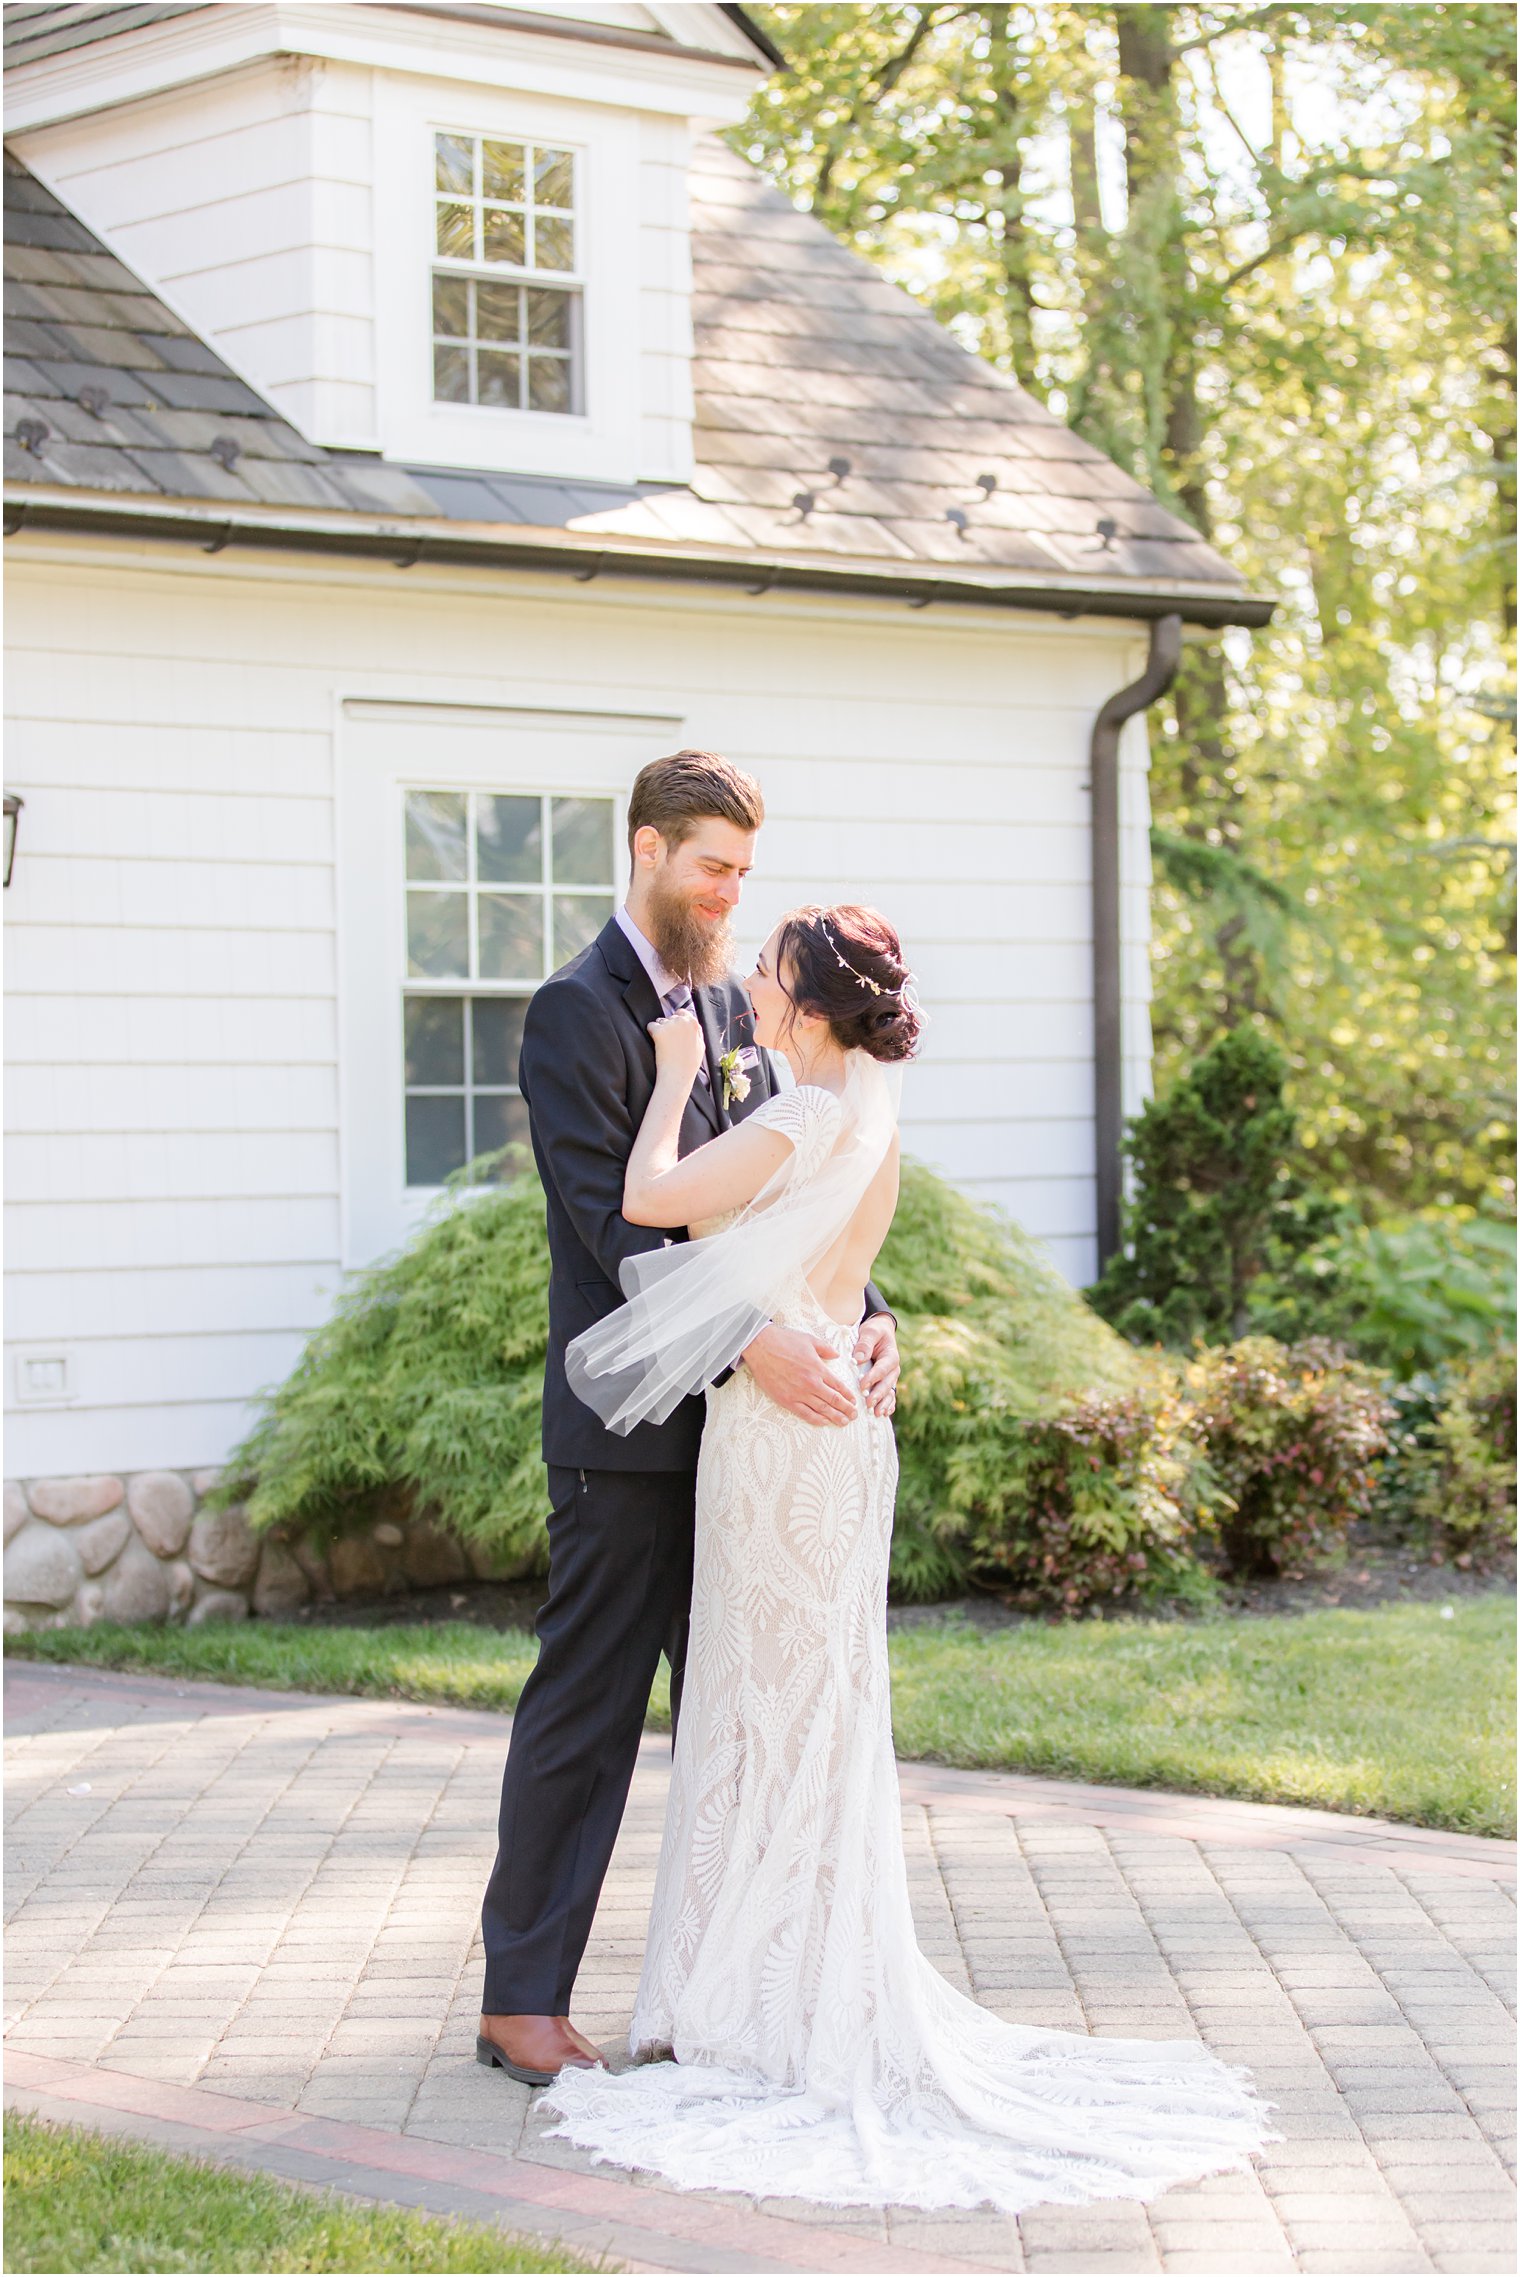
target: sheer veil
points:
(691, 1308)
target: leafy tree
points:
(1217, 1203)
(1263, 255)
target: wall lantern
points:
(13, 806)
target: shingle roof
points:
(835, 422)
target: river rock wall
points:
(145, 1547)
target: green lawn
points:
(78, 2201)
(1394, 1711)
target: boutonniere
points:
(734, 1068)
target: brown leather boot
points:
(534, 2048)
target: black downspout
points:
(1160, 671)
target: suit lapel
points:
(712, 1012)
(700, 1115)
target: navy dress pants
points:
(620, 1556)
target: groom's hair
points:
(673, 795)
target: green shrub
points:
(421, 1394)
(1293, 1435)
(1449, 1482)
(1218, 1205)
(991, 1337)
(1097, 1503)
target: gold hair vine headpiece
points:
(864, 978)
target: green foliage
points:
(1216, 1201)
(1287, 308)
(1417, 1292)
(991, 1338)
(1096, 1504)
(422, 1391)
(1293, 1435)
(78, 2200)
(1449, 1481)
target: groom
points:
(620, 1530)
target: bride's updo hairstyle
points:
(846, 966)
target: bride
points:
(794, 2039)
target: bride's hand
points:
(679, 1045)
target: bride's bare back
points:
(839, 1280)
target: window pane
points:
(456, 231)
(511, 936)
(549, 383)
(498, 312)
(434, 1040)
(553, 243)
(451, 306)
(582, 841)
(501, 170)
(435, 834)
(505, 236)
(548, 317)
(434, 1140)
(454, 163)
(498, 1024)
(509, 843)
(500, 381)
(437, 936)
(578, 918)
(553, 178)
(498, 1121)
(451, 375)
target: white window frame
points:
(474, 987)
(598, 441)
(386, 747)
(570, 283)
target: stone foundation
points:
(145, 1548)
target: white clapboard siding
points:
(59, 1441)
(137, 1371)
(188, 1166)
(204, 825)
(187, 1300)
(143, 960)
(665, 341)
(172, 1031)
(227, 763)
(53, 1099)
(201, 769)
(124, 1235)
(246, 200)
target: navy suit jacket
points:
(587, 1072)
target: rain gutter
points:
(406, 541)
(1107, 965)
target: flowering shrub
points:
(1293, 1435)
(1096, 1503)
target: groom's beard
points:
(695, 949)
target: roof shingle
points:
(834, 417)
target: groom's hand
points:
(876, 1353)
(793, 1369)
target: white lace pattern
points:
(819, 2055)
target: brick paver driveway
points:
(244, 1923)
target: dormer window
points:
(507, 284)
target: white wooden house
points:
(416, 420)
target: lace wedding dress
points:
(818, 2054)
